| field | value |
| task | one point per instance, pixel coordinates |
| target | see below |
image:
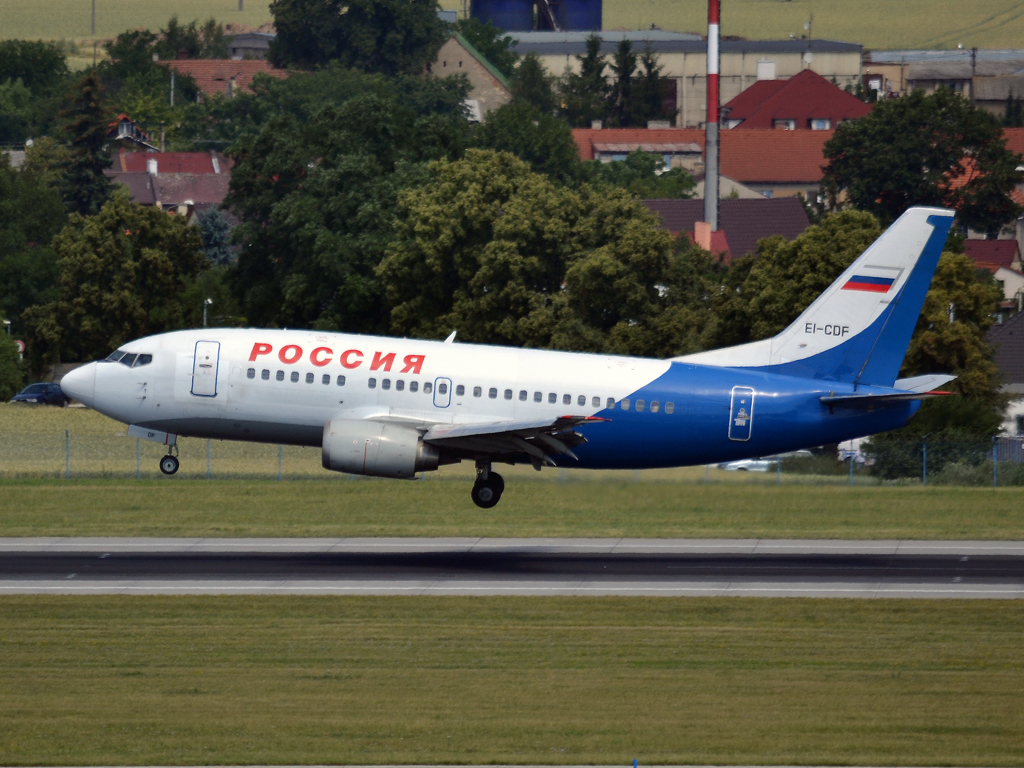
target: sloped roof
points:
(177, 188)
(495, 72)
(991, 254)
(805, 96)
(744, 221)
(173, 162)
(139, 184)
(213, 75)
(750, 157)
(1014, 140)
(1008, 340)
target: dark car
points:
(50, 394)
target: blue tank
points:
(506, 15)
(578, 15)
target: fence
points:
(67, 454)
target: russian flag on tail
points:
(869, 284)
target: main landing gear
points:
(488, 487)
(169, 464)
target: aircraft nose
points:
(81, 384)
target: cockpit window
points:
(128, 359)
(143, 360)
(116, 355)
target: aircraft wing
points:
(539, 439)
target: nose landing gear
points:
(169, 464)
(488, 487)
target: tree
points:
(31, 212)
(1014, 115)
(542, 140)
(205, 42)
(33, 77)
(531, 84)
(216, 234)
(620, 95)
(638, 174)
(493, 44)
(387, 36)
(86, 122)
(649, 91)
(584, 93)
(316, 204)
(12, 369)
(921, 149)
(121, 274)
(40, 66)
(504, 256)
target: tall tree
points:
(531, 84)
(215, 230)
(387, 36)
(936, 149)
(542, 140)
(649, 91)
(493, 44)
(33, 79)
(584, 93)
(86, 123)
(621, 108)
(121, 274)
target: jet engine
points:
(373, 448)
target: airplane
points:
(396, 407)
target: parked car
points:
(763, 464)
(49, 394)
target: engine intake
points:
(372, 448)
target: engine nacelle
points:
(372, 448)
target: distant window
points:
(477, 391)
(385, 384)
(427, 388)
(581, 400)
(326, 379)
(493, 393)
(610, 403)
(310, 378)
(340, 381)
(821, 124)
(655, 407)
(640, 405)
(414, 386)
(552, 397)
(265, 374)
(442, 388)
(251, 373)
(295, 376)
(280, 376)
(767, 192)
(399, 385)
(537, 397)
(670, 408)
(1020, 425)
(566, 399)
(371, 383)
(625, 404)
(459, 390)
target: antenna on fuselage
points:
(451, 338)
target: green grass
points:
(279, 681)
(876, 24)
(366, 507)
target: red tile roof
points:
(744, 221)
(753, 156)
(173, 162)
(991, 254)
(1014, 140)
(213, 75)
(804, 97)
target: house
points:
(250, 45)
(224, 77)
(772, 163)
(683, 58)
(124, 130)
(742, 222)
(182, 182)
(1007, 338)
(212, 162)
(807, 101)
(489, 88)
(1002, 259)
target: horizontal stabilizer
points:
(882, 398)
(924, 383)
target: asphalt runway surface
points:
(537, 567)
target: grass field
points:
(876, 24)
(367, 507)
(193, 681)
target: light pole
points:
(206, 304)
(7, 325)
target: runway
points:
(532, 567)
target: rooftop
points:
(992, 254)
(213, 75)
(1008, 339)
(173, 162)
(804, 97)
(697, 45)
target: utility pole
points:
(94, 19)
(172, 86)
(712, 120)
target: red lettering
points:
(315, 359)
(290, 354)
(387, 361)
(259, 348)
(344, 359)
(413, 363)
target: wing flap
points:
(538, 439)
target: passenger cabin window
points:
(581, 400)
(537, 397)
(385, 384)
(655, 407)
(251, 373)
(309, 378)
(595, 403)
(459, 391)
(295, 376)
(610, 403)
(371, 383)
(280, 376)
(492, 393)
(625, 403)
(522, 395)
(552, 397)
(341, 381)
(670, 407)
(326, 379)
(477, 391)
(427, 388)
(399, 385)
(442, 388)
(566, 399)
(265, 374)
(508, 394)
(414, 386)
(640, 405)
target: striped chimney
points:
(711, 124)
